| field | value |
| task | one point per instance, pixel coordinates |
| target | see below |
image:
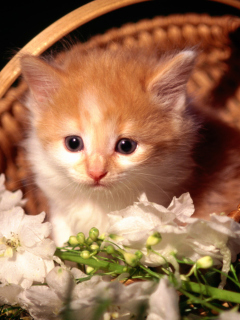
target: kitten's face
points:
(98, 140)
(107, 125)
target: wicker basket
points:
(216, 79)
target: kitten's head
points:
(112, 118)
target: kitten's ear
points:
(42, 79)
(169, 82)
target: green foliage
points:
(199, 294)
(197, 282)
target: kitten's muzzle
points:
(97, 175)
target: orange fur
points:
(104, 96)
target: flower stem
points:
(236, 282)
(186, 286)
(110, 267)
(200, 301)
(152, 273)
(215, 293)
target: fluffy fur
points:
(102, 97)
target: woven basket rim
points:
(56, 31)
(62, 27)
(212, 31)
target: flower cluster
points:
(145, 245)
(26, 254)
(167, 234)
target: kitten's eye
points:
(126, 146)
(74, 143)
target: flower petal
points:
(61, 281)
(163, 303)
(182, 207)
(9, 294)
(42, 303)
(10, 221)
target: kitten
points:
(108, 126)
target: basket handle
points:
(231, 3)
(55, 32)
(62, 27)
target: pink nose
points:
(97, 175)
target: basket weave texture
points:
(215, 81)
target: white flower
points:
(218, 238)
(145, 215)
(134, 226)
(25, 253)
(120, 301)
(216, 234)
(163, 303)
(43, 303)
(124, 302)
(171, 231)
(9, 294)
(46, 302)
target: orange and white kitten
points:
(108, 126)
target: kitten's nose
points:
(97, 175)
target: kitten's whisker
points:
(151, 182)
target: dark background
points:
(20, 21)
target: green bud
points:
(110, 249)
(115, 237)
(183, 277)
(89, 241)
(130, 258)
(94, 247)
(81, 238)
(85, 254)
(94, 233)
(204, 262)
(89, 269)
(102, 236)
(73, 241)
(153, 239)
(139, 254)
